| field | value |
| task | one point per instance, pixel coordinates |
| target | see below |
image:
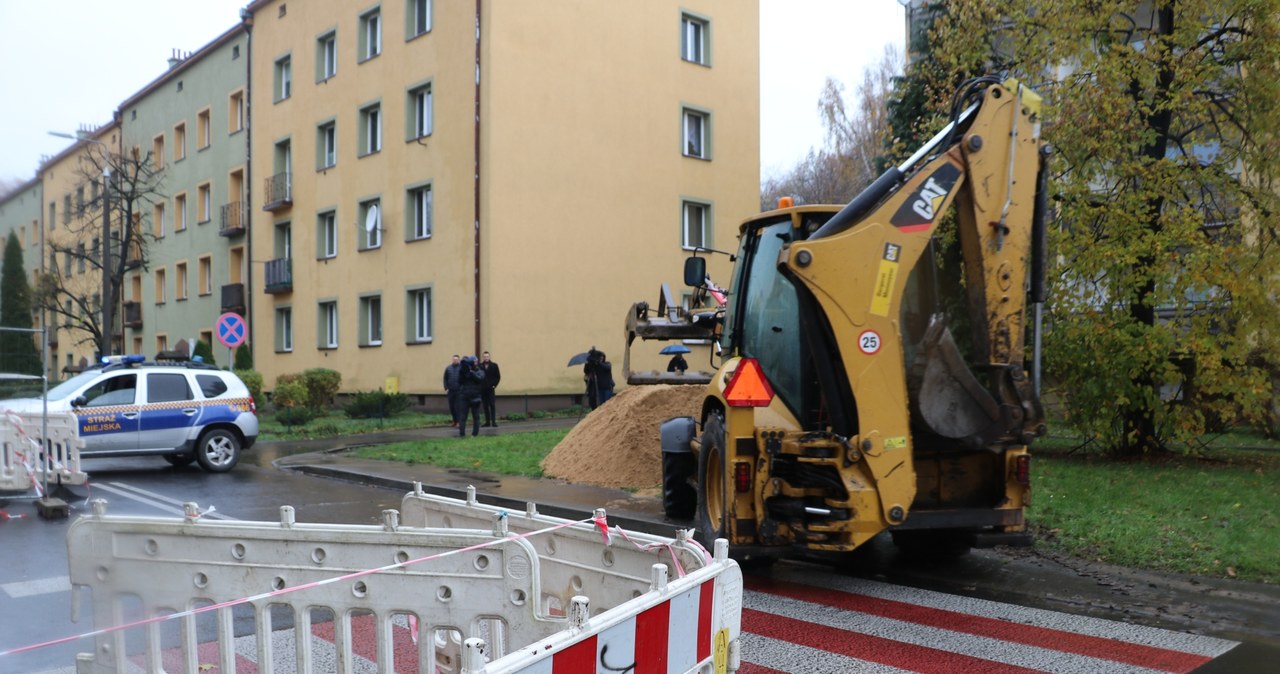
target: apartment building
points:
(20, 213)
(74, 231)
(435, 178)
(192, 124)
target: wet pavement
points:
(1239, 610)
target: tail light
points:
(742, 477)
(253, 407)
(1022, 469)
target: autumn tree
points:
(86, 299)
(18, 352)
(1164, 116)
(857, 134)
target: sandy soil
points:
(619, 443)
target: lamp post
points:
(107, 299)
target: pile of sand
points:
(619, 444)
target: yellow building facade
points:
(71, 183)
(439, 178)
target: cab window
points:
(211, 386)
(164, 388)
(117, 390)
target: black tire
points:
(179, 460)
(712, 493)
(679, 496)
(218, 450)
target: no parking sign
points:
(231, 330)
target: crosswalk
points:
(810, 620)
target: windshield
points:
(763, 319)
(70, 386)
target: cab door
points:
(109, 416)
(169, 411)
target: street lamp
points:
(107, 299)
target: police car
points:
(183, 411)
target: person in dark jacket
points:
(492, 375)
(604, 378)
(589, 371)
(677, 364)
(470, 394)
(452, 382)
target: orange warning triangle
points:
(748, 388)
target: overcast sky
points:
(67, 63)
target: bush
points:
(290, 399)
(252, 379)
(322, 385)
(204, 350)
(244, 358)
(376, 404)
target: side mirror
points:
(79, 401)
(695, 272)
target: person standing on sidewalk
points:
(470, 395)
(452, 384)
(492, 375)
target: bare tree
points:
(857, 136)
(104, 241)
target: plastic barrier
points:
(21, 465)
(451, 600)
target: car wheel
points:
(179, 460)
(218, 450)
(712, 504)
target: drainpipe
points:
(476, 181)
(246, 17)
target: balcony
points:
(132, 314)
(279, 276)
(233, 298)
(235, 218)
(279, 192)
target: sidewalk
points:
(327, 457)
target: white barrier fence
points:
(22, 466)
(489, 592)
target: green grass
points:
(1213, 517)
(335, 424)
(509, 454)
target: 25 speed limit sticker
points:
(869, 342)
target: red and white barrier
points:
(22, 466)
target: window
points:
(179, 211)
(162, 343)
(284, 78)
(53, 214)
(371, 129)
(419, 209)
(419, 313)
(693, 39)
(158, 224)
(211, 386)
(118, 390)
(164, 387)
(180, 281)
(694, 231)
(160, 285)
(370, 222)
(695, 133)
(328, 329)
(418, 16)
(371, 34)
(327, 234)
(418, 112)
(284, 240)
(80, 257)
(180, 141)
(205, 281)
(204, 134)
(204, 205)
(67, 259)
(235, 111)
(326, 56)
(326, 145)
(66, 209)
(284, 329)
(371, 320)
(95, 250)
(157, 154)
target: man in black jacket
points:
(492, 375)
(452, 382)
(469, 396)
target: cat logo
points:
(922, 206)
